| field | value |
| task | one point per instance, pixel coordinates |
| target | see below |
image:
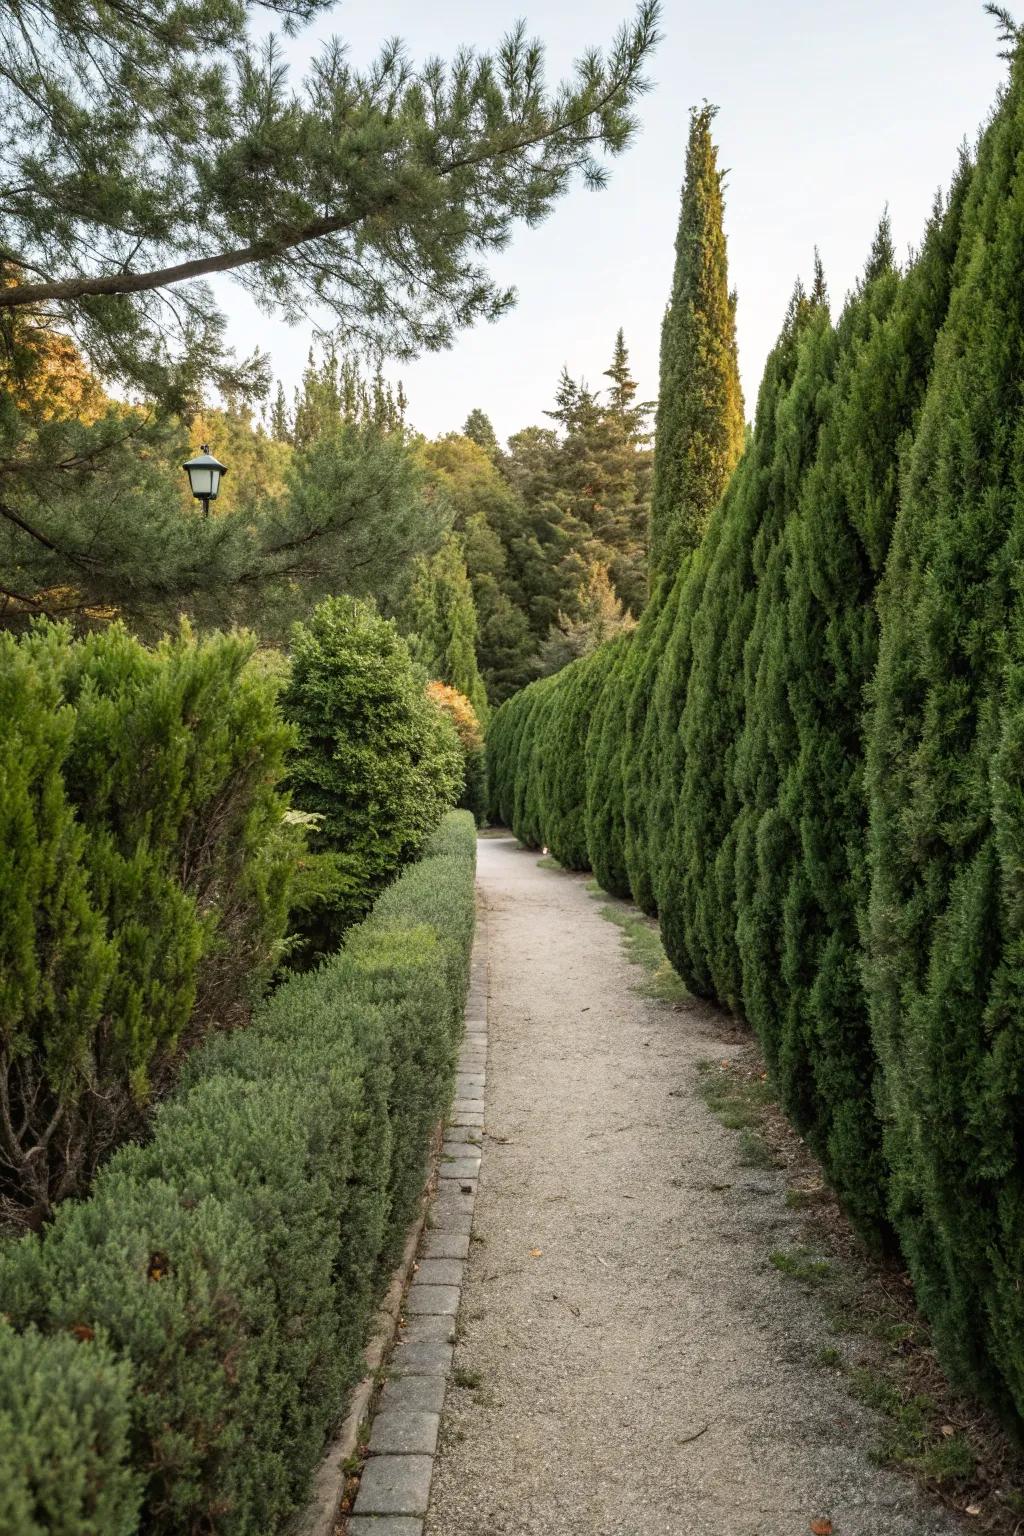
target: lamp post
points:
(204, 474)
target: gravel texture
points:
(643, 1369)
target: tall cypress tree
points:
(775, 662)
(698, 901)
(698, 441)
(699, 423)
(624, 435)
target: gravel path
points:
(647, 1371)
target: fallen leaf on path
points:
(821, 1527)
(535, 1253)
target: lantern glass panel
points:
(202, 478)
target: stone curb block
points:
(394, 1492)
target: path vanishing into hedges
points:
(642, 1368)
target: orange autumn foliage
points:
(461, 713)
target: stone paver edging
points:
(394, 1490)
(320, 1516)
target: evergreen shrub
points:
(64, 1425)
(524, 743)
(146, 868)
(830, 759)
(198, 1319)
(605, 816)
(945, 776)
(564, 768)
(377, 765)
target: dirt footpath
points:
(629, 1362)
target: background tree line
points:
(498, 563)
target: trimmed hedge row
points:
(817, 777)
(183, 1339)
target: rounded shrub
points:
(377, 763)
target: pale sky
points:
(829, 110)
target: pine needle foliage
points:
(373, 194)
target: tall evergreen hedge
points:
(823, 736)
(603, 767)
(838, 542)
(768, 910)
(945, 963)
(563, 770)
(636, 682)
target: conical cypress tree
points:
(504, 760)
(603, 759)
(644, 765)
(698, 917)
(531, 812)
(497, 758)
(698, 441)
(766, 831)
(946, 959)
(699, 423)
(563, 770)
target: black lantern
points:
(204, 472)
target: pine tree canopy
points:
(148, 146)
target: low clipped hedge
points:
(181, 1342)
